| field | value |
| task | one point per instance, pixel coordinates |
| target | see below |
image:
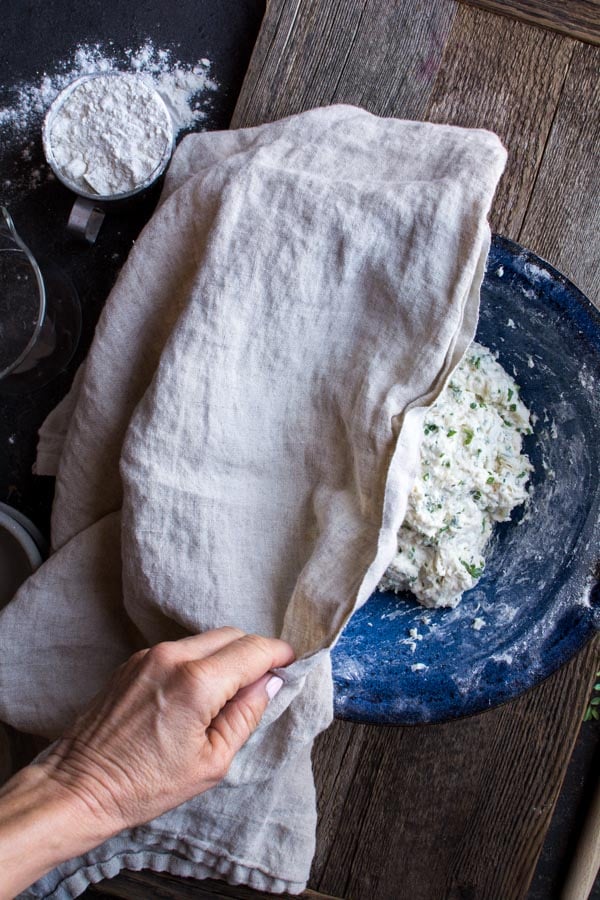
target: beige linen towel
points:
(241, 442)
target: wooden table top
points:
(458, 810)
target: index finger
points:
(236, 665)
(197, 646)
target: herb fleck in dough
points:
(472, 474)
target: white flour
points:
(110, 134)
(185, 88)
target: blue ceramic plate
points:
(540, 595)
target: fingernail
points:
(273, 686)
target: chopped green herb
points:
(476, 495)
(426, 476)
(490, 479)
(510, 394)
(513, 407)
(473, 570)
(468, 436)
(451, 432)
(430, 427)
(475, 361)
(473, 405)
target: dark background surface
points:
(35, 37)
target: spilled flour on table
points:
(185, 87)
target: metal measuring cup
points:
(89, 209)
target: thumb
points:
(231, 728)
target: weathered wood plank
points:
(262, 75)
(522, 780)
(562, 222)
(404, 808)
(576, 18)
(337, 757)
(145, 884)
(456, 810)
(500, 74)
(382, 56)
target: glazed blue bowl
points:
(540, 594)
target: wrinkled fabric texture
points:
(240, 444)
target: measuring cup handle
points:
(85, 220)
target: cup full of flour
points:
(107, 136)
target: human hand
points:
(166, 727)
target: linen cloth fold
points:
(240, 444)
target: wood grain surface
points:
(516, 93)
(577, 18)
(455, 810)
(143, 885)
(562, 222)
(382, 56)
(460, 810)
